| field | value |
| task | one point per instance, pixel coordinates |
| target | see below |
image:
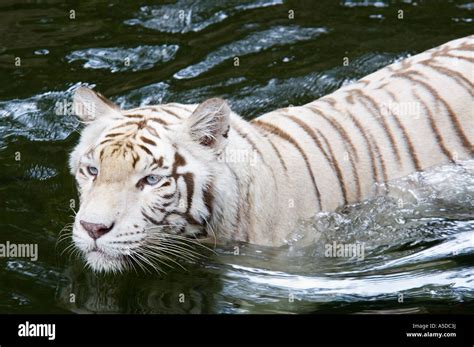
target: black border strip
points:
(225, 329)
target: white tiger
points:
(152, 177)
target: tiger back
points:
(409, 116)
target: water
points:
(418, 244)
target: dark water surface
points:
(421, 252)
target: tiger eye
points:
(92, 170)
(151, 179)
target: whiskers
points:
(160, 248)
(65, 240)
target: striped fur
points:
(223, 178)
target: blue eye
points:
(151, 179)
(92, 170)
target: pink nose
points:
(96, 230)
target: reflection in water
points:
(137, 293)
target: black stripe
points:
(368, 143)
(151, 219)
(340, 177)
(282, 162)
(434, 128)
(454, 75)
(172, 113)
(280, 133)
(255, 148)
(375, 111)
(147, 140)
(114, 134)
(158, 120)
(409, 145)
(145, 149)
(457, 126)
(381, 159)
(332, 161)
(338, 127)
(208, 197)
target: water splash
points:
(413, 249)
(118, 59)
(37, 118)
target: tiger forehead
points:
(116, 162)
(120, 159)
(135, 144)
(133, 128)
(131, 136)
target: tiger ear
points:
(89, 105)
(209, 124)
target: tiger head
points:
(146, 184)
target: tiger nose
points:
(96, 230)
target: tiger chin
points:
(155, 180)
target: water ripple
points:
(120, 59)
(253, 43)
(365, 3)
(369, 286)
(36, 117)
(190, 16)
(152, 94)
(40, 172)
